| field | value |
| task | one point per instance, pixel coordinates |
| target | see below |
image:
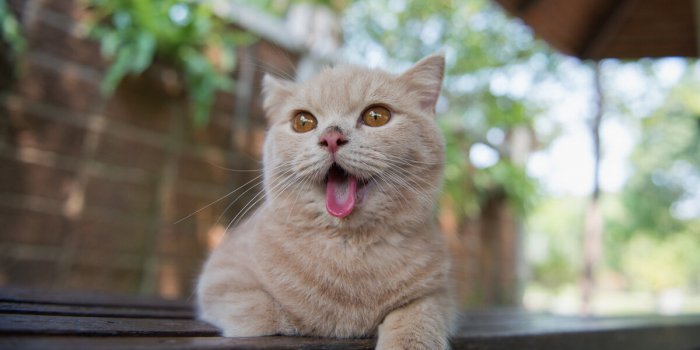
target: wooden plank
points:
(205, 343)
(639, 339)
(19, 324)
(551, 325)
(37, 320)
(10, 294)
(682, 337)
(502, 326)
(100, 311)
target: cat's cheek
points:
(362, 193)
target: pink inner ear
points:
(425, 79)
(275, 92)
(429, 101)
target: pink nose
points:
(332, 140)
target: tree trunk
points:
(593, 230)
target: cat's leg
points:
(422, 324)
(238, 306)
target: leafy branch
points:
(187, 35)
(10, 32)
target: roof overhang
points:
(627, 29)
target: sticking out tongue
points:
(340, 193)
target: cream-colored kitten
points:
(346, 244)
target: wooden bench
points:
(32, 319)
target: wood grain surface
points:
(34, 319)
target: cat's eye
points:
(376, 116)
(303, 122)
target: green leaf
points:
(110, 44)
(133, 33)
(116, 72)
(144, 52)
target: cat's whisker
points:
(311, 167)
(411, 186)
(415, 180)
(236, 200)
(233, 170)
(368, 164)
(405, 160)
(285, 172)
(397, 162)
(241, 195)
(399, 175)
(268, 68)
(403, 201)
(403, 164)
(253, 202)
(289, 175)
(421, 191)
(295, 204)
(217, 201)
(400, 184)
(408, 160)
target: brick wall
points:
(91, 187)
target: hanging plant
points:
(10, 33)
(188, 35)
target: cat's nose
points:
(332, 140)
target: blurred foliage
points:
(478, 41)
(655, 237)
(656, 264)
(666, 164)
(652, 225)
(280, 7)
(185, 34)
(10, 32)
(552, 248)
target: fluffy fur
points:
(293, 269)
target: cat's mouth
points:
(343, 191)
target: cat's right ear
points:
(275, 92)
(424, 80)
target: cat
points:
(346, 243)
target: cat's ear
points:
(275, 92)
(424, 80)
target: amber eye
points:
(376, 116)
(303, 122)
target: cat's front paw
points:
(251, 315)
(237, 329)
(420, 325)
(236, 325)
(411, 342)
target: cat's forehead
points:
(345, 88)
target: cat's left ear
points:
(424, 80)
(275, 92)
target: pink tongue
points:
(340, 194)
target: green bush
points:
(10, 31)
(186, 35)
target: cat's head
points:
(354, 146)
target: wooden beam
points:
(523, 6)
(697, 27)
(605, 27)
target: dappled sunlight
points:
(169, 281)
(214, 236)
